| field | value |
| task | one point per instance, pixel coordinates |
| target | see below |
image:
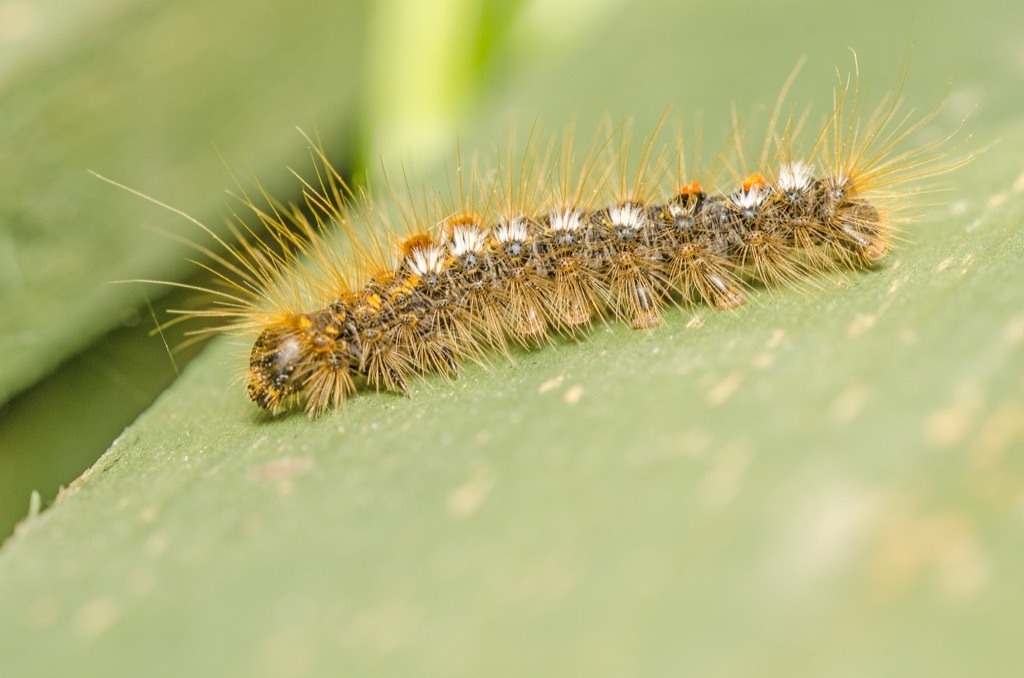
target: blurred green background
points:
(824, 483)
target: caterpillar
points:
(345, 291)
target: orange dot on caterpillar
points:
(545, 241)
(754, 181)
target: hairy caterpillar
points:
(543, 243)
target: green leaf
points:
(144, 95)
(150, 94)
(824, 482)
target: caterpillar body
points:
(536, 247)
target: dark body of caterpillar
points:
(475, 286)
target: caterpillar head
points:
(310, 356)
